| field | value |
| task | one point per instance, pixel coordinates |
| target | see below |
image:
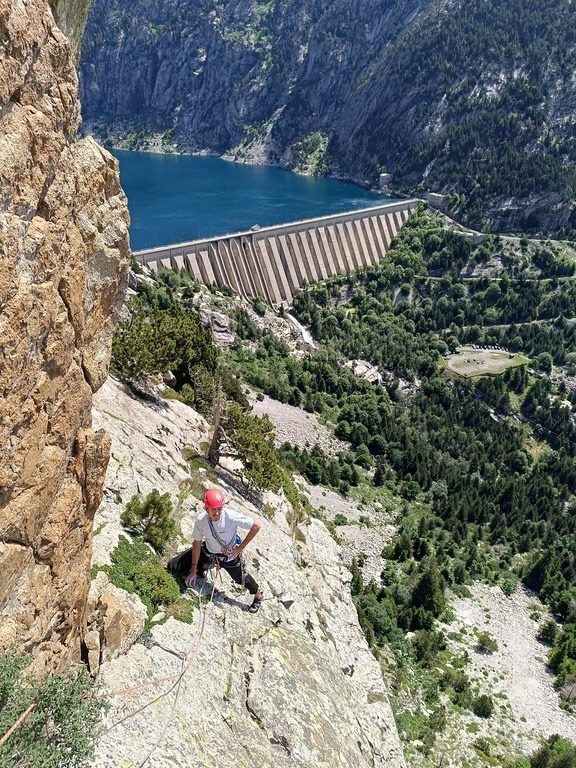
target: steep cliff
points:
(294, 685)
(63, 266)
(472, 100)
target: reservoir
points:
(176, 198)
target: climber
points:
(216, 541)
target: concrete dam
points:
(274, 262)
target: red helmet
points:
(214, 498)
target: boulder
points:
(123, 616)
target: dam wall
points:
(274, 262)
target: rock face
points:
(147, 443)
(63, 266)
(293, 685)
(116, 620)
(451, 97)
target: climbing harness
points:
(235, 541)
(219, 557)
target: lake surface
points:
(175, 198)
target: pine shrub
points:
(136, 569)
(486, 643)
(151, 518)
(548, 632)
(483, 706)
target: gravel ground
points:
(295, 426)
(519, 663)
(526, 704)
(356, 538)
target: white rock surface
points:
(357, 540)
(295, 426)
(294, 685)
(147, 443)
(527, 704)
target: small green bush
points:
(548, 632)
(182, 610)
(486, 643)
(556, 752)
(259, 306)
(483, 706)
(509, 584)
(61, 730)
(151, 518)
(483, 745)
(519, 762)
(340, 519)
(137, 570)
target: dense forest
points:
(495, 139)
(480, 502)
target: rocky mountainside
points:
(294, 685)
(63, 267)
(474, 101)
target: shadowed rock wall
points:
(63, 269)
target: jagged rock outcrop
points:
(451, 97)
(116, 619)
(294, 685)
(63, 269)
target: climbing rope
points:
(28, 711)
(186, 662)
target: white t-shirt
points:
(226, 526)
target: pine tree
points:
(151, 518)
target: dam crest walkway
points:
(274, 262)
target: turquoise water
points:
(175, 198)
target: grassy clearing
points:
(370, 495)
(470, 362)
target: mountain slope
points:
(472, 100)
(294, 685)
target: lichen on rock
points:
(293, 685)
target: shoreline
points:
(156, 149)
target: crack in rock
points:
(274, 739)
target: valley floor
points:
(527, 707)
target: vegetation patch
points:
(151, 518)
(136, 569)
(311, 154)
(162, 334)
(64, 720)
